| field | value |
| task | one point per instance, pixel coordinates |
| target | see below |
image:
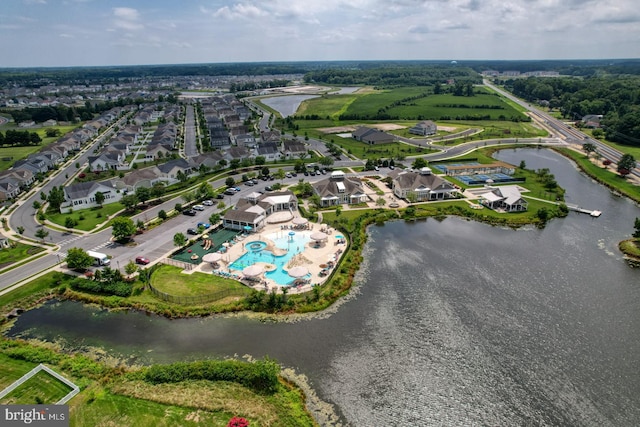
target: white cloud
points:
(127, 19)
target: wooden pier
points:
(593, 213)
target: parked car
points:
(142, 260)
(230, 191)
(392, 167)
(255, 181)
(208, 203)
(204, 224)
(220, 196)
(294, 174)
(249, 183)
(192, 231)
(323, 171)
(306, 173)
(198, 207)
(288, 175)
(190, 212)
(238, 189)
(376, 168)
(268, 188)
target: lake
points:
(452, 322)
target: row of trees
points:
(19, 138)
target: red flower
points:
(238, 422)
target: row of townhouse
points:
(23, 172)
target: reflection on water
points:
(453, 323)
(286, 105)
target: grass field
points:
(12, 369)
(87, 219)
(19, 252)
(41, 388)
(13, 154)
(169, 279)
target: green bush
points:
(121, 289)
(261, 376)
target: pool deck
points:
(317, 255)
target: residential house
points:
(210, 159)
(421, 186)
(170, 171)
(245, 140)
(239, 153)
(114, 160)
(294, 149)
(158, 151)
(592, 121)
(268, 150)
(338, 189)
(13, 182)
(271, 136)
(506, 198)
(146, 178)
(372, 136)
(424, 128)
(83, 195)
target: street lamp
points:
(118, 264)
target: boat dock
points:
(593, 213)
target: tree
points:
(589, 147)
(626, 164)
(36, 205)
(122, 228)
(20, 230)
(130, 268)
(230, 182)
(326, 161)
(69, 222)
(162, 215)
(214, 218)
(143, 194)
(265, 171)
(56, 198)
(234, 163)
(179, 240)
(42, 234)
(280, 174)
(523, 164)
(419, 163)
(78, 259)
(380, 202)
(260, 160)
(636, 227)
(99, 198)
(129, 201)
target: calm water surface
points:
(286, 105)
(453, 323)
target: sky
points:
(35, 33)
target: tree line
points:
(616, 98)
(19, 138)
(387, 75)
(63, 113)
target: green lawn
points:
(19, 252)
(12, 369)
(106, 408)
(41, 388)
(169, 279)
(87, 219)
(10, 155)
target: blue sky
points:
(107, 32)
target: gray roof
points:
(84, 189)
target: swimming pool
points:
(256, 253)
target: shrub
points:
(261, 376)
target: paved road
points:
(190, 144)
